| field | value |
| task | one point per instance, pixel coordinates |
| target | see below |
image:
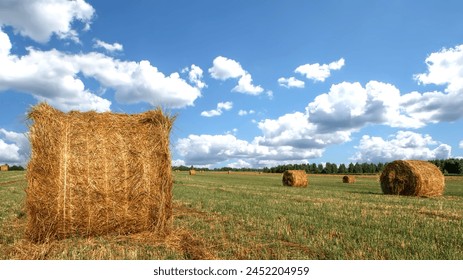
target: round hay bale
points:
(412, 177)
(349, 179)
(295, 178)
(192, 172)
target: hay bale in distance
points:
(192, 172)
(295, 178)
(98, 173)
(412, 177)
(4, 167)
(349, 179)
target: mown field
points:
(252, 216)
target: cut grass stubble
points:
(252, 216)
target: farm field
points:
(252, 216)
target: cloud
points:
(445, 67)
(178, 162)
(39, 19)
(319, 72)
(53, 76)
(224, 68)
(349, 106)
(195, 75)
(290, 82)
(14, 147)
(295, 130)
(245, 86)
(244, 112)
(115, 47)
(49, 76)
(240, 164)
(460, 145)
(402, 145)
(217, 149)
(217, 112)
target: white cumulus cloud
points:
(224, 68)
(445, 67)
(319, 72)
(40, 19)
(244, 112)
(402, 145)
(14, 147)
(221, 106)
(295, 130)
(291, 82)
(240, 164)
(352, 106)
(115, 47)
(245, 86)
(53, 76)
(217, 149)
(195, 76)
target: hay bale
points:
(98, 173)
(192, 172)
(4, 167)
(295, 178)
(349, 179)
(412, 177)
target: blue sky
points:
(254, 83)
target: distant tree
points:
(313, 168)
(16, 168)
(350, 169)
(319, 168)
(328, 168)
(358, 168)
(342, 168)
(334, 168)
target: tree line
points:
(447, 166)
(16, 168)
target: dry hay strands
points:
(295, 178)
(192, 172)
(98, 173)
(412, 177)
(349, 179)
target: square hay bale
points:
(98, 173)
(295, 178)
(4, 167)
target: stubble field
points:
(252, 216)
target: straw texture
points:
(412, 177)
(295, 178)
(98, 173)
(349, 179)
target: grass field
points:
(252, 216)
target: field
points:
(252, 216)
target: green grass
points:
(252, 216)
